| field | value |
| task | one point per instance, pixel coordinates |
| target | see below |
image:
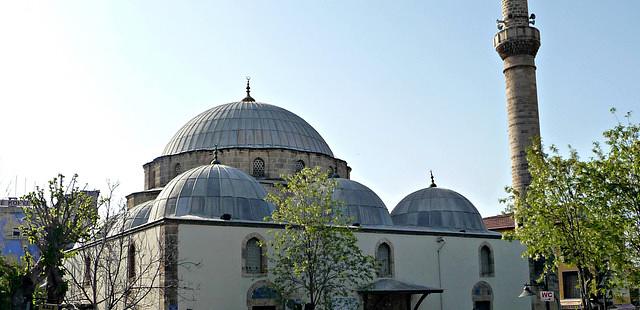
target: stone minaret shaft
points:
(517, 43)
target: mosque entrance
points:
(482, 305)
(262, 296)
(389, 294)
(387, 302)
(482, 295)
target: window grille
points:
(253, 261)
(383, 260)
(486, 262)
(131, 262)
(86, 280)
(258, 167)
(299, 165)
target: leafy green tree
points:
(585, 213)
(10, 282)
(56, 219)
(16, 290)
(617, 173)
(316, 254)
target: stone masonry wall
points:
(522, 115)
(515, 12)
(278, 162)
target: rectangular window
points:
(570, 284)
(86, 281)
(635, 296)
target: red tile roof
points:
(499, 222)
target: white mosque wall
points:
(416, 261)
(211, 277)
(114, 281)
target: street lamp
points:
(527, 292)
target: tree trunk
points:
(583, 289)
(56, 287)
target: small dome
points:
(247, 124)
(134, 217)
(439, 209)
(138, 215)
(361, 203)
(209, 192)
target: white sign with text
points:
(547, 296)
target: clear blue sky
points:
(395, 87)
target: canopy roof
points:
(387, 286)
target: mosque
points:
(204, 198)
(433, 243)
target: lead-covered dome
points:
(211, 191)
(439, 209)
(247, 124)
(361, 203)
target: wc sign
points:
(546, 295)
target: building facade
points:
(12, 243)
(209, 215)
(204, 202)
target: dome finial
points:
(248, 97)
(433, 182)
(215, 160)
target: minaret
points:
(517, 43)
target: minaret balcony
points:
(520, 40)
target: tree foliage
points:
(585, 213)
(57, 218)
(316, 254)
(11, 274)
(617, 168)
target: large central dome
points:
(247, 124)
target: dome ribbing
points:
(247, 124)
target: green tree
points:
(57, 218)
(10, 282)
(616, 172)
(316, 254)
(585, 213)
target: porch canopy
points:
(393, 294)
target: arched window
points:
(486, 262)
(86, 279)
(299, 165)
(258, 168)
(177, 170)
(254, 256)
(131, 262)
(383, 260)
(482, 296)
(254, 261)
